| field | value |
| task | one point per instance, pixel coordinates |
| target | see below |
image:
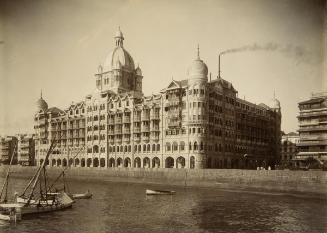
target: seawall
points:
(273, 180)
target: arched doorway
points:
(102, 162)
(76, 162)
(88, 162)
(137, 162)
(146, 162)
(111, 162)
(58, 162)
(155, 162)
(127, 162)
(169, 163)
(64, 162)
(119, 162)
(180, 162)
(192, 162)
(95, 162)
(83, 162)
(71, 161)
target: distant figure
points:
(258, 168)
(269, 168)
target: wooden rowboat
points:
(86, 195)
(159, 192)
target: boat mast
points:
(53, 143)
(6, 182)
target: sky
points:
(56, 46)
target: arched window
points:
(195, 147)
(168, 147)
(148, 148)
(144, 148)
(190, 146)
(153, 147)
(201, 146)
(182, 146)
(158, 147)
(175, 146)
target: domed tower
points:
(198, 71)
(118, 72)
(41, 105)
(197, 112)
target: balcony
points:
(145, 117)
(111, 141)
(111, 121)
(118, 120)
(127, 131)
(145, 128)
(155, 137)
(118, 140)
(137, 130)
(127, 119)
(155, 117)
(127, 140)
(313, 128)
(137, 139)
(145, 138)
(137, 119)
(155, 128)
(111, 132)
(118, 131)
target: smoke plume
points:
(300, 54)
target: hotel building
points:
(191, 123)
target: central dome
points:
(119, 58)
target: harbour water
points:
(124, 207)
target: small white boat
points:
(86, 195)
(159, 192)
(10, 211)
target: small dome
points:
(138, 71)
(275, 103)
(119, 34)
(41, 104)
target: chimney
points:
(219, 67)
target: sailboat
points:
(32, 202)
(8, 211)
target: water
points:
(123, 207)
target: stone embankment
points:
(268, 180)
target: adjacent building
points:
(8, 149)
(289, 148)
(313, 129)
(197, 122)
(26, 150)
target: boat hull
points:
(159, 192)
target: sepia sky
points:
(57, 46)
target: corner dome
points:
(198, 68)
(41, 104)
(275, 103)
(138, 71)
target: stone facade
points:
(192, 123)
(26, 150)
(8, 148)
(288, 148)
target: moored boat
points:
(159, 192)
(86, 195)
